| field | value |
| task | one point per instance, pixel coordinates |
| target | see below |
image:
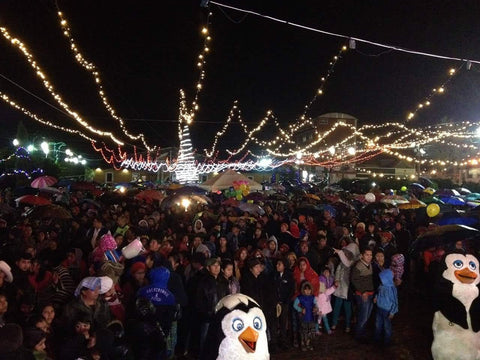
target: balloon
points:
(250, 201)
(370, 197)
(239, 197)
(403, 188)
(244, 192)
(433, 210)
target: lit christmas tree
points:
(186, 170)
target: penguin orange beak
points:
(249, 338)
(465, 276)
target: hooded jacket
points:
(387, 298)
(307, 302)
(310, 275)
(157, 291)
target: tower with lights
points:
(186, 170)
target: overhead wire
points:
(360, 40)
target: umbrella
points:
(417, 186)
(432, 200)
(190, 190)
(251, 208)
(255, 196)
(453, 200)
(309, 209)
(426, 182)
(92, 202)
(175, 199)
(472, 196)
(412, 204)
(394, 199)
(50, 211)
(150, 195)
(278, 197)
(447, 192)
(463, 191)
(49, 190)
(312, 196)
(231, 202)
(83, 186)
(444, 235)
(32, 200)
(43, 181)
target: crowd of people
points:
(76, 288)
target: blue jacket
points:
(387, 298)
(157, 291)
(307, 302)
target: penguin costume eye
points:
(472, 265)
(237, 324)
(257, 323)
(458, 264)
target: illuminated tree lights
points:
(186, 171)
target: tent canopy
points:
(225, 180)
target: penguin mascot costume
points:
(238, 331)
(456, 323)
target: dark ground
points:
(412, 337)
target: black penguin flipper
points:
(475, 313)
(449, 306)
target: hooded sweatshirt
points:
(310, 275)
(387, 293)
(157, 291)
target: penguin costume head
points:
(238, 330)
(458, 289)
(456, 321)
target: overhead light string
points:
(50, 88)
(92, 69)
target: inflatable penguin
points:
(456, 324)
(238, 331)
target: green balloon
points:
(403, 188)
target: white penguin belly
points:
(451, 341)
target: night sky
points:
(146, 51)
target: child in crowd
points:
(306, 305)
(387, 306)
(327, 288)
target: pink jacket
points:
(323, 301)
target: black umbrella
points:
(444, 235)
(309, 209)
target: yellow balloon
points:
(239, 197)
(433, 210)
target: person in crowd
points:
(348, 255)
(135, 281)
(285, 287)
(386, 299)
(89, 305)
(327, 287)
(227, 269)
(210, 290)
(378, 264)
(240, 259)
(387, 246)
(362, 283)
(306, 306)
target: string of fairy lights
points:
(359, 145)
(41, 74)
(92, 69)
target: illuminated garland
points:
(92, 69)
(18, 154)
(27, 174)
(50, 88)
(14, 105)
